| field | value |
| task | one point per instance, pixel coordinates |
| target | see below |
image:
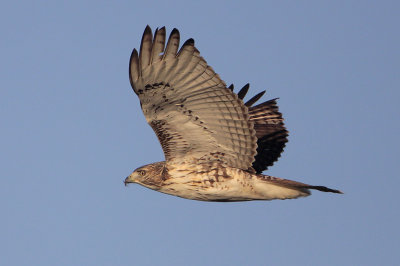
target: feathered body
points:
(215, 145)
(217, 183)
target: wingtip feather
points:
(175, 31)
(158, 45)
(172, 44)
(243, 91)
(134, 72)
(145, 48)
(254, 99)
(189, 42)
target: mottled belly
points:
(210, 189)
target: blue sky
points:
(72, 130)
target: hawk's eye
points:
(142, 172)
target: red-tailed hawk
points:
(215, 145)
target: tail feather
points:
(325, 189)
(296, 185)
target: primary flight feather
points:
(215, 145)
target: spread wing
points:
(270, 129)
(194, 115)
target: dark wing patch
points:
(270, 130)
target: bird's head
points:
(151, 175)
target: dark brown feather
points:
(134, 67)
(270, 129)
(172, 45)
(271, 134)
(145, 48)
(254, 99)
(243, 91)
(158, 45)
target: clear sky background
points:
(72, 130)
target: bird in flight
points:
(216, 146)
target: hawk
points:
(216, 146)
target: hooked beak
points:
(128, 180)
